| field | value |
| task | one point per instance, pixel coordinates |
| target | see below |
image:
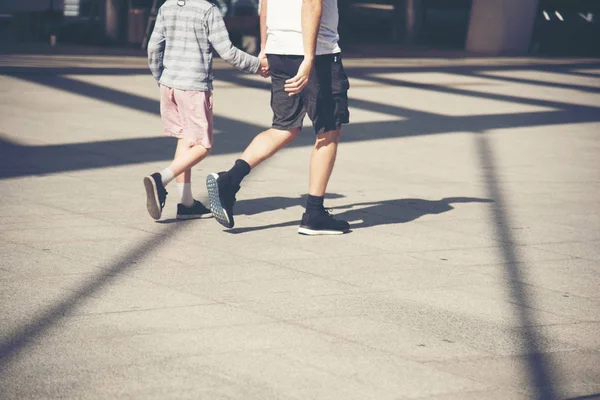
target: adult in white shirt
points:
(299, 38)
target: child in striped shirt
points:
(180, 53)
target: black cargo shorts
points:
(324, 99)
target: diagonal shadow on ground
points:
(17, 341)
(35, 160)
(588, 397)
(539, 364)
(267, 204)
(372, 74)
(364, 215)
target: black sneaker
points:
(156, 195)
(197, 210)
(322, 224)
(221, 196)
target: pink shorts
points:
(187, 114)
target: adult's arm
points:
(311, 20)
(263, 26)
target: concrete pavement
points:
(472, 272)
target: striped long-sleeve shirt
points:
(180, 50)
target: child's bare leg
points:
(186, 157)
(182, 147)
(183, 180)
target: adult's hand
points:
(296, 84)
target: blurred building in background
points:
(479, 26)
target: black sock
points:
(239, 170)
(314, 204)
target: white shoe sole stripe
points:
(315, 232)
(199, 216)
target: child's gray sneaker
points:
(156, 195)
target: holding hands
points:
(263, 70)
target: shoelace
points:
(162, 203)
(329, 211)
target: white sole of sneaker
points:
(314, 232)
(202, 216)
(215, 201)
(152, 202)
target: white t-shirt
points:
(284, 28)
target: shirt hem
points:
(202, 88)
(282, 52)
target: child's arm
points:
(156, 47)
(219, 39)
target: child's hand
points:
(263, 70)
